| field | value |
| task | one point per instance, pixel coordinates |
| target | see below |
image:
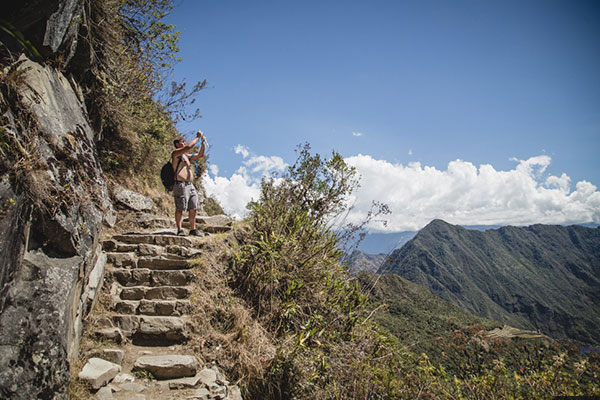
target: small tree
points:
(288, 270)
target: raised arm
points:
(200, 154)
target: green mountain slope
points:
(415, 315)
(458, 341)
(538, 277)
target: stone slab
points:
(163, 262)
(161, 239)
(98, 372)
(168, 366)
(119, 259)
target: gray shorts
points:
(186, 197)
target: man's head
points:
(179, 142)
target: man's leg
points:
(193, 205)
(178, 219)
(192, 219)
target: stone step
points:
(124, 259)
(168, 366)
(145, 249)
(211, 224)
(209, 228)
(214, 228)
(183, 251)
(152, 330)
(164, 262)
(161, 239)
(131, 260)
(147, 277)
(154, 307)
(114, 246)
(154, 293)
(215, 220)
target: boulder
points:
(98, 372)
(131, 199)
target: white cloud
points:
(234, 193)
(263, 164)
(243, 150)
(410, 153)
(214, 169)
(357, 134)
(462, 193)
(469, 195)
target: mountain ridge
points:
(544, 277)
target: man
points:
(184, 192)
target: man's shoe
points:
(180, 232)
(194, 232)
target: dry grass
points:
(225, 331)
(89, 346)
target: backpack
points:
(167, 175)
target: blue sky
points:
(421, 96)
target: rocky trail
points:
(147, 326)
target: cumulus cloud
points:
(462, 193)
(263, 164)
(243, 150)
(469, 195)
(357, 134)
(234, 193)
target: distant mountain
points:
(361, 261)
(540, 277)
(375, 243)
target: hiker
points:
(184, 192)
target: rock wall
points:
(53, 200)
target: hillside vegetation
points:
(414, 314)
(330, 337)
(540, 277)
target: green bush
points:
(288, 270)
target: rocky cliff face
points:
(53, 201)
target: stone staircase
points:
(151, 286)
(150, 275)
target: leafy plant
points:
(32, 52)
(288, 270)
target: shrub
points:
(288, 270)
